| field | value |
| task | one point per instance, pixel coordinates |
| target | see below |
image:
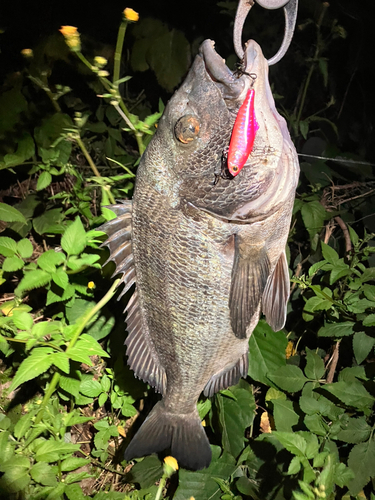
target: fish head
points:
(186, 155)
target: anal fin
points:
(250, 272)
(276, 294)
(227, 377)
(142, 358)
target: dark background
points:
(351, 60)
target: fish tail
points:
(182, 434)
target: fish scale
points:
(207, 258)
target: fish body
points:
(206, 258)
(243, 135)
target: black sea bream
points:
(206, 252)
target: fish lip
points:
(230, 86)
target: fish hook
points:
(290, 13)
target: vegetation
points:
(301, 426)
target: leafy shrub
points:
(301, 426)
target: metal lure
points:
(243, 135)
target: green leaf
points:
(8, 247)
(362, 345)
(49, 222)
(362, 462)
(356, 431)
(25, 248)
(90, 388)
(33, 279)
(23, 425)
(12, 264)
(50, 259)
(316, 424)
(44, 180)
(336, 329)
(313, 215)
(60, 295)
(289, 378)
(266, 352)
(46, 328)
(53, 450)
(293, 442)
(73, 241)
(323, 66)
(304, 128)
(16, 476)
(61, 361)
(73, 463)
(284, 415)
(10, 214)
(43, 473)
(70, 385)
(6, 447)
(203, 407)
(369, 320)
(339, 270)
(86, 346)
(22, 320)
(200, 484)
(343, 475)
(147, 472)
(369, 291)
(235, 417)
(60, 278)
(294, 466)
(329, 254)
(25, 150)
(314, 365)
(74, 492)
(351, 393)
(317, 304)
(38, 362)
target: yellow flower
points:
(290, 350)
(172, 462)
(68, 31)
(131, 15)
(103, 72)
(90, 285)
(100, 61)
(72, 37)
(27, 52)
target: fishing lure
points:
(243, 135)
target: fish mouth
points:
(230, 85)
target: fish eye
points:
(187, 128)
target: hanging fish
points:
(243, 135)
(206, 259)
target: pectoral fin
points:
(276, 294)
(250, 272)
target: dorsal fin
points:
(119, 243)
(142, 357)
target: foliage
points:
(301, 426)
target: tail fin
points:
(183, 434)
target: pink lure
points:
(243, 135)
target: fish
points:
(204, 259)
(243, 135)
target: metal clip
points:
(290, 12)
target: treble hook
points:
(290, 13)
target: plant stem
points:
(163, 480)
(118, 52)
(80, 326)
(93, 167)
